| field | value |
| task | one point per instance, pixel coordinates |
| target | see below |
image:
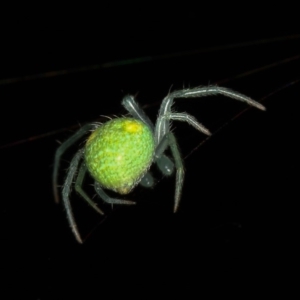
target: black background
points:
(240, 193)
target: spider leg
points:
(170, 140)
(179, 169)
(108, 199)
(67, 190)
(163, 124)
(136, 111)
(184, 117)
(61, 150)
(78, 188)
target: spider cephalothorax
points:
(119, 153)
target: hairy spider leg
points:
(61, 150)
(66, 192)
(163, 121)
(136, 111)
(169, 140)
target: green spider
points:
(119, 153)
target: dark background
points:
(240, 193)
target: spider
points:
(119, 153)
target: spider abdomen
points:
(119, 152)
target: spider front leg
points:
(163, 121)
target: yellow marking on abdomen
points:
(133, 126)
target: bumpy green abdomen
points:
(119, 152)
